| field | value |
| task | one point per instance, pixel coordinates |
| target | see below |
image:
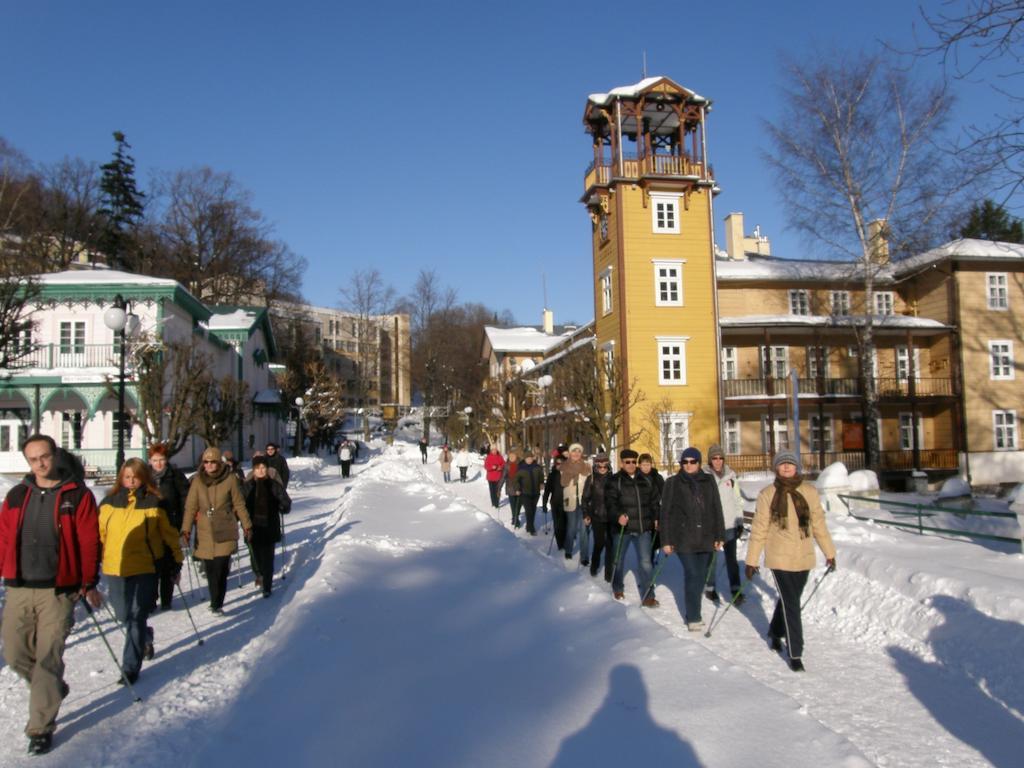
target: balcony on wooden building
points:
(71, 356)
(930, 459)
(670, 167)
(885, 386)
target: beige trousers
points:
(36, 623)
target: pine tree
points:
(990, 221)
(122, 208)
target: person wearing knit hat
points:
(574, 473)
(788, 519)
(595, 515)
(632, 502)
(692, 527)
(529, 483)
(732, 512)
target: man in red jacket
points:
(49, 557)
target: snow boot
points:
(796, 665)
(650, 602)
(619, 595)
(41, 744)
(695, 626)
(148, 651)
(712, 595)
(775, 643)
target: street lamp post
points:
(299, 402)
(544, 382)
(466, 413)
(123, 323)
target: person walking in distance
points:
(692, 528)
(596, 516)
(49, 557)
(787, 516)
(633, 504)
(215, 506)
(462, 462)
(265, 500)
(444, 458)
(553, 496)
(278, 463)
(508, 479)
(345, 457)
(529, 481)
(574, 473)
(494, 464)
(732, 511)
(423, 449)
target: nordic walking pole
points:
(99, 629)
(654, 578)
(183, 600)
(552, 542)
(282, 543)
(113, 618)
(817, 584)
(618, 547)
(732, 602)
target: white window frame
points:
(771, 358)
(839, 301)
(812, 361)
(1000, 362)
(903, 363)
(1004, 429)
(675, 435)
(665, 355)
(814, 426)
(997, 291)
(732, 435)
(76, 337)
(885, 302)
(608, 363)
(781, 434)
(730, 363)
(664, 213)
(799, 302)
(904, 433)
(668, 281)
(606, 291)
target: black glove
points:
(739, 530)
(751, 571)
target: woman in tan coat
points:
(788, 514)
(215, 506)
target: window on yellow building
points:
(840, 302)
(665, 213)
(675, 436)
(606, 291)
(997, 295)
(1000, 360)
(731, 434)
(668, 282)
(608, 352)
(781, 429)
(775, 362)
(672, 360)
(885, 301)
(1004, 430)
(799, 302)
(821, 433)
(730, 366)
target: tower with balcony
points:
(649, 195)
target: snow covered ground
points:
(415, 628)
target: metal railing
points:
(102, 461)
(49, 356)
(920, 512)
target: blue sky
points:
(412, 135)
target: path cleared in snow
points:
(415, 628)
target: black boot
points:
(796, 665)
(41, 744)
(775, 643)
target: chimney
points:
(878, 241)
(734, 237)
(549, 322)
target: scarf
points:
(787, 486)
(571, 470)
(692, 485)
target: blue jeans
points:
(695, 570)
(132, 598)
(573, 523)
(642, 546)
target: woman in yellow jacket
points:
(136, 536)
(787, 516)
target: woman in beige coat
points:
(788, 514)
(215, 506)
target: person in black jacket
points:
(173, 487)
(596, 517)
(632, 504)
(553, 493)
(529, 481)
(279, 464)
(692, 527)
(646, 465)
(265, 500)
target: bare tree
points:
(221, 409)
(17, 296)
(370, 299)
(986, 37)
(323, 409)
(172, 383)
(218, 245)
(858, 164)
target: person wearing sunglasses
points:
(215, 506)
(732, 510)
(692, 527)
(632, 503)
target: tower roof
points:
(664, 104)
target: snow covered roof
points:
(237, 319)
(268, 397)
(964, 249)
(881, 322)
(791, 270)
(524, 339)
(631, 91)
(102, 277)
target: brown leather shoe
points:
(650, 602)
(620, 595)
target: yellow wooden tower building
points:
(649, 194)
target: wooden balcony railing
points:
(893, 461)
(635, 168)
(930, 458)
(849, 387)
